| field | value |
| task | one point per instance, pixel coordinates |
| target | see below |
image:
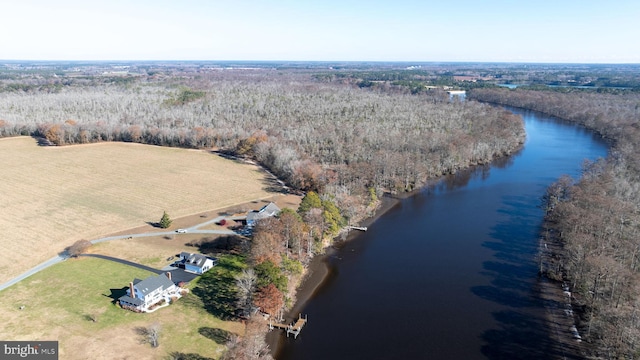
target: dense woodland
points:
(346, 136)
(312, 135)
(596, 218)
(342, 144)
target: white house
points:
(197, 263)
(143, 294)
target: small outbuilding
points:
(197, 263)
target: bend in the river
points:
(451, 272)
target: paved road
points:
(44, 265)
(63, 256)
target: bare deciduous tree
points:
(252, 346)
(150, 335)
(246, 284)
(78, 247)
(596, 219)
(153, 334)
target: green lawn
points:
(74, 289)
(59, 301)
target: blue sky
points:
(342, 30)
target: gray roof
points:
(130, 300)
(266, 211)
(152, 283)
(196, 259)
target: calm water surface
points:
(449, 273)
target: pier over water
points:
(293, 328)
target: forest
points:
(333, 138)
(595, 218)
(347, 135)
(341, 144)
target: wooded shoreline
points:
(346, 143)
(594, 218)
(319, 270)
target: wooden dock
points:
(361, 228)
(293, 328)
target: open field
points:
(58, 303)
(53, 196)
(153, 251)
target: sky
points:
(556, 31)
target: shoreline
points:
(319, 272)
(549, 291)
(559, 313)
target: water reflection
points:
(450, 273)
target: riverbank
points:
(319, 271)
(561, 316)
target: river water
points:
(451, 272)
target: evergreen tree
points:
(310, 200)
(332, 217)
(165, 221)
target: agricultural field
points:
(57, 304)
(54, 196)
(153, 251)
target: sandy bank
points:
(318, 273)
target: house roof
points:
(152, 283)
(198, 260)
(130, 300)
(266, 211)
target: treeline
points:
(282, 246)
(278, 253)
(596, 218)
(341, 144)
(414, 81)
(310, 134)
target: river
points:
(449, 273)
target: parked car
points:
(181, 231)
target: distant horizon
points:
(312, 61)
(465, 31)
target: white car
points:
(181, 231)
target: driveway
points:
(177, 275)
(44, 265)
(63, 256)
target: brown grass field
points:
(53, 196)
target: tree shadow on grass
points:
(231, 244)
(154, 224)
(187, 356)
(274, 186)
(218, 335)
(42, 141)
(216, 289)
